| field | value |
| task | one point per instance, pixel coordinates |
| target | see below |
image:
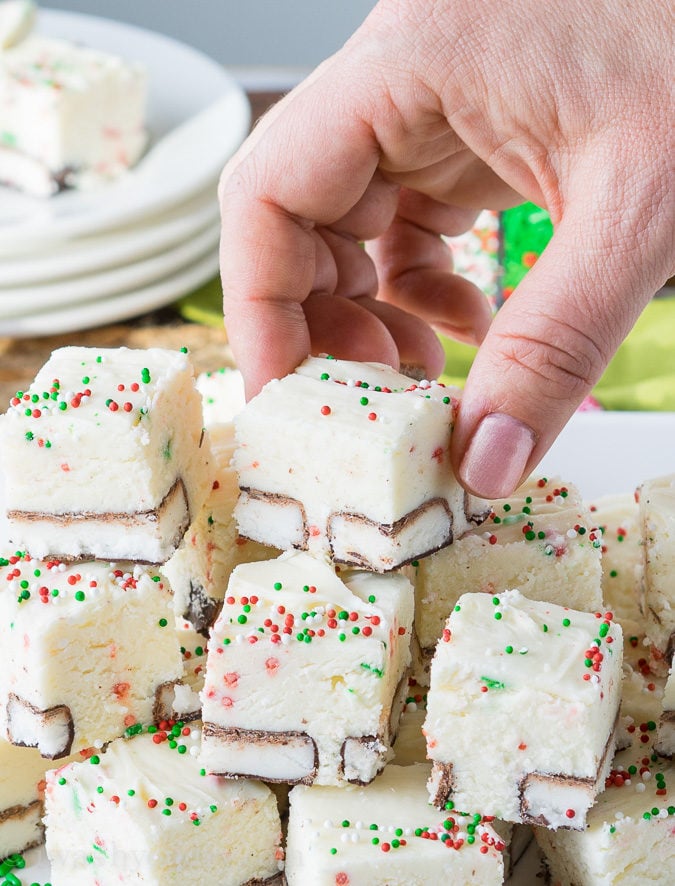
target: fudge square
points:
(306, 672)
(522, 709)
(87, 650)
(541, 540)
(144, 812)
(386, 834)
(629, 832)
(72, 116)
(351, 459)
(102, 455)
(657, 519)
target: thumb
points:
(549, 344)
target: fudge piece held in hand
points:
(386, 833)
(305, 674)
(102, 456)
(541, 540)
(88, 650)
(543, 678)
(351, 459)
(143, 812)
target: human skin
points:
(431, 112)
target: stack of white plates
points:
(85, 258)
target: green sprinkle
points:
(508, 650)
(492, 684)
(566, 622)
(162, 622)
(79, 595)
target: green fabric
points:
(640, 377)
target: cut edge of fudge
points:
(52, 731)
(149, 537)
(353, 539)
(538, 791)
(362, 757)
(15, 817)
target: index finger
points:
(307, 165)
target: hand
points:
(429, 113)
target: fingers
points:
(273, 198)
(552, 340)
(415, 269)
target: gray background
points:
(241, 33)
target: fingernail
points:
(495, 461)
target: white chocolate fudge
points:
(305, 674)
(351, 459)
(72, 116)
(88, 650)
(541, 540)
(387, 834)
(629, 832)
(534, 689)
(200, 569)
(657, 518)
(144, 812)
(617, 517)
(102, 456)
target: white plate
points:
(24, 301)
(116, 307)
(608, 452)
(197, 116)
(87, 255)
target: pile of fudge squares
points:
(278, 643)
